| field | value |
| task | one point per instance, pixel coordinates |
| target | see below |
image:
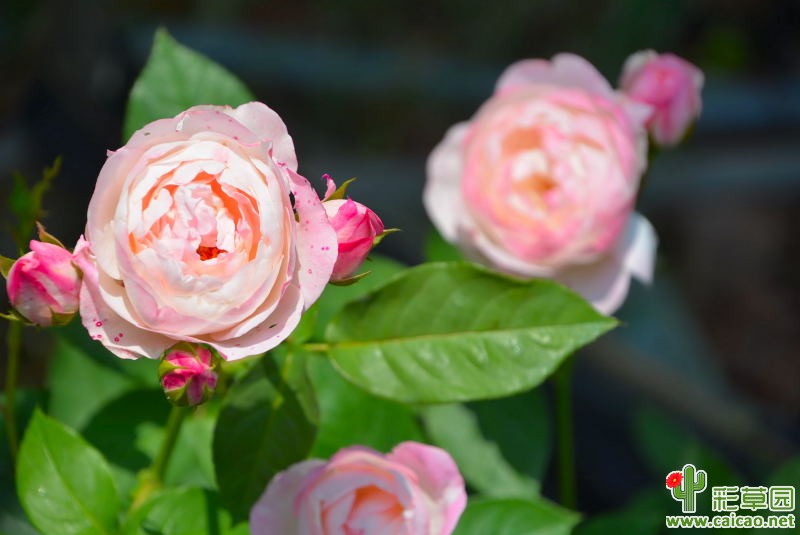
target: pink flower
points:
(414, 490)
(670, 85)
(187, 373)
(200, 230)
(356, 228)
(542, 181)
(43, 285)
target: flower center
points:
(207, 253)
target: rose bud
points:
(415, 489)
(356, 226)
(43, 285)
(671, 86)
(188, 373)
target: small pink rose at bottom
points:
(415, 489)
(43, 285)
(188, 373)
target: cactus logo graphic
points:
(684, 486)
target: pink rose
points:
(200, 230)
(542, 181)
(670, 85)
(188, 373)
(356, 228)
(43, 285)
(414, 490)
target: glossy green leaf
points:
(454, 332)
(334, 298)
(267, 423)
(64, 485)
(176, 78)
(181, 511)
(455, 429)
(349, 415)
(81, 383)
(515, 517)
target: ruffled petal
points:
(274, 513)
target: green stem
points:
(564, 435)
(13, 339)
(152, 479)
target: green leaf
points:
(515, 517)
(455, 429)
(64, 485)
(176, 78)
(267, 423)
(626, 521)
(182, 511)
(351, 416)
(520, 426)
(666, 446)
(5, 265)
(341, 191)
(438, 250)
(81, 383)
(457, 332)
(334, 298)
(26, 202)
(46, 237)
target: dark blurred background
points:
(369, 87)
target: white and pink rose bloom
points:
(413, 490)
(43, 285)
(200, 230)
(671, 86)
(542, 181)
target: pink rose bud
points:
(44, 285)
(188, 373)
(356, 228)
(414, 490)
(671, 86)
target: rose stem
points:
(562, 382)
(13, 338)
(153, 478)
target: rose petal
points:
(566, 70)
(439, 478)
(120, 337)
(315, 240)
(274, 512)
(442, 195)
(268, 125)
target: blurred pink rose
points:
(192, 235)
(356, 228)
(43, 285)
(188, 373)
(414, 490)
(542, 181)
(670, 85)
